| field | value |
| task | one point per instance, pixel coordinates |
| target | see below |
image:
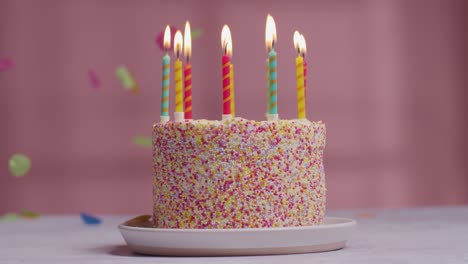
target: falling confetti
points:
(142, 141)
(126, 79)
(6, 64)
(94, 79)
(197, 33)
(139, 221)
(19, 165)
(29, 214)
(160, 38)
(366, 215)
(89, 219)
(10, 217)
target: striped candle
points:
(179, 97)
(231, 78)
(166, 65)
(188, 91)
(270, 40)
(303, 50)
(227, 72)
(267, 86)
(273, 88)
(300, 87)
(305, 77)
(187, 72)
(226, 64)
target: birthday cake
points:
(238, 173)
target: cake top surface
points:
(239, 120)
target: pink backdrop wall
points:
(388, 78)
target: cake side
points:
(238, 173)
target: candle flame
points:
(187, 41)
(178, 43)
(297, 40)
(167, 38)
(226, 40)
(302, 46)
(270, 33)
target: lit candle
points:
(303, 53)
(188, 72)
(267, 87)
(166, 71)
(299, 76)
(270, 40)
(179, 97)
(226, 44)
(231, 77)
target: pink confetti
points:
(6, 64)
(94, 79)
(160, 38)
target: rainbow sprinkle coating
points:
(238, 173)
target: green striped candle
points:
(166, 72)
(273, 91)
(166, 65)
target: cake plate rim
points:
(333, 234)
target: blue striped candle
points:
(165, 85)
(273, 92)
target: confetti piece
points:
(366, 215)
(160, 38)
(19, 165)
(10, 217)
(197, 33)
(139, 220)
(29, 214)
(142, 141)
(89, 219)
(94, 79)
(126, 79)
(6, 64)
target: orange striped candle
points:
(226, 43)
(226, 62)
(188, 91)
(187, 72)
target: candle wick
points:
(225, 48)
(272, 44)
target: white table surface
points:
(422, 235)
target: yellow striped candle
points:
(301, 107)
(179, 96)
(301, 114)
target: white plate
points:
(144, 239)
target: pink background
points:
(389, 78)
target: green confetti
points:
(19, 165)
(197, 33)
(29, 214)
(10, 217)
(142, 141)
(125, 78)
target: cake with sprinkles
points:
(238, 173)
